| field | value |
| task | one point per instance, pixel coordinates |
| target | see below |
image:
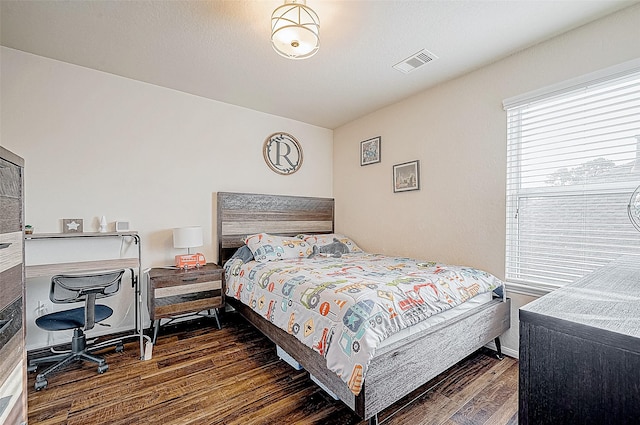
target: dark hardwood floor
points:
(202, 375)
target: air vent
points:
(415, 61)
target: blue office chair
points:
(72, 289)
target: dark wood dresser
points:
(13, 369)
(580, 351)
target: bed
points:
(396, 365)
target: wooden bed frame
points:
(395, 370)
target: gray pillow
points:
(243, 253)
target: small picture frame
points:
(406, 176)
(370, 151)
(72, 225)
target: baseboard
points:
(511, 352)
(33, 353)
(505, 350)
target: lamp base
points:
(190, 261)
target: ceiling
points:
(221, 49)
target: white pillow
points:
(266, 247)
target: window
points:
(573, 161)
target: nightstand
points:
(176, 293)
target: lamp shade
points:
(187, 237)
(295, 30)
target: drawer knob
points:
(4, 245)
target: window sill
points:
(530, 290)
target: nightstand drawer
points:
(191, 288)
(177, 292)
(174, 300)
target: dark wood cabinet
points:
(174, 293)
(580, 351)
(13, 370)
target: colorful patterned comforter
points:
(344, 307)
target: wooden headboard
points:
(242, 214)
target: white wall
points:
(98, 144)
(458, 132)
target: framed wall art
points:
(72, 225)
(370, 151)
(406, 176)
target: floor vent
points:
(415, 61)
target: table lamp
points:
(188, 237)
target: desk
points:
(42, 270)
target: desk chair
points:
(72, 289)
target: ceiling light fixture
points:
(295, 30)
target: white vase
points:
(103, 225)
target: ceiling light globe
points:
(295, 30)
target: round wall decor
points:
(282, 153)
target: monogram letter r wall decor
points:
(282, 153)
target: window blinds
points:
(573, 161)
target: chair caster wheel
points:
(41, 384)
(32, 368)
(103, 368)
(119, 348)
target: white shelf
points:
(41, 270)
(35, 236)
